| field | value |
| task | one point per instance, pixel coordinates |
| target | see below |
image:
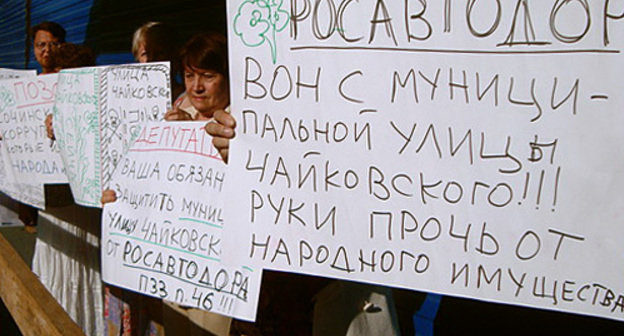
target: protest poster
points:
(16, 73)
(162, 237)
(31, 157)
(97, 112)
(463, 148)
(27, 192)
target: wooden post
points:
(32, 307)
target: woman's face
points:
(142, 54)
(44, 42)
(207, 91)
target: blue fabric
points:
(425, 316)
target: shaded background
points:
(107, 27)
(104, 25)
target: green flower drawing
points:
(6, 98)
(258, 21)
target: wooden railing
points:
(32, 307)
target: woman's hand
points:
(222, 130)
(177, 115)
(48, 125)
(108, 196)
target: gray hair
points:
(139, 37)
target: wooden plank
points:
(32, 307)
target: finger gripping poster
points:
(466, 148)
(162, 237)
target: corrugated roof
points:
(12, 33)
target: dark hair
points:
(52, 27)
(69, 55)
(162, 43)
(206, 51)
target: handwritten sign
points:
(465, 148)
(16, 73)
(96, 116)
(33, 159)
(162, 237)
(76, 128)
(28, 192)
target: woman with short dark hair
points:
(46, 37)
(205, 70)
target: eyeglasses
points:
(42, 45)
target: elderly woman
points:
(204, 61)
(46, 37)
(205, 72)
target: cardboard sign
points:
(96, 116)
(28, 153)
(162, 237)
(466, 150)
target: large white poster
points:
(470, 148)
(162, 237)
(97, 114)
(27, 151)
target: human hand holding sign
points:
(108, 196)
(177, 114)
(49, 128)
(222, 130)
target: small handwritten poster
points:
(466, 148)
(27, 151)
(27, 192)
(162, 237)
(76, 128)
(97, 114)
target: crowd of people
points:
(203, 95)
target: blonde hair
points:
(139, 37)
